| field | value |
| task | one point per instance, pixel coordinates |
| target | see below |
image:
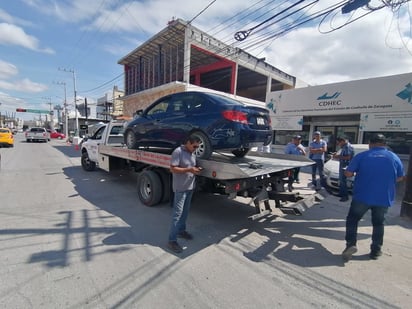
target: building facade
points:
(355, 109)
(184, 54)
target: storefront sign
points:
(386, 122)
(376, 95)
(287, 123)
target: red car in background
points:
(55, 134)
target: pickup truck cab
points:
(37, 134)
(90, 145)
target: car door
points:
(178, 121)
(149, 129)
(163, 124)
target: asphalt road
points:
(76, 239)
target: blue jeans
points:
(343, 188)
(181, 206)
(318, 165)
(356, 212)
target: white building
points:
(355, 109)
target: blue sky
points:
(37, 37)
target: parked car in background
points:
(331, 169)
(56, 134)
(6, 137)
(37, 134)
(221, 123)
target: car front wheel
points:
(205, 149)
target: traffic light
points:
(21, 110)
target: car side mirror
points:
(139, 112)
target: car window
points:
(177, 106)
(98, 134)
(225, 100)
(116, 130)
(189, 103)
(159, 109)
(4, 131)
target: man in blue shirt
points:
(376, 173)
(344, 156)
(296, 148)
(317, 149)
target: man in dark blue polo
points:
(344, 156)
(376, 173)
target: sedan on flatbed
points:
(221, 123)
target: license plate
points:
(260, 121)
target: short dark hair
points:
(341, 139)
(192, 139)
(377, 139)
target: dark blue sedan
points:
(220, 122)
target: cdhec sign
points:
(375, 95)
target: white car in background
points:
(331, 169)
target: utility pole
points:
(66, 127)
(75, 98)
(50, 104)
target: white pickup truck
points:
(37, 134)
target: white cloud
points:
(13, 35)
(24, 85)
(7, 69)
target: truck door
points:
(94, 142)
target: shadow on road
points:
(213, 219)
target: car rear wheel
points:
(130, 140)
(241, 152)
(86, 163)
(149, 188)
(205, 149)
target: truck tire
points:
(130, 139)
(86, 163)
(205, 148)
(149, 188)
(166, 183)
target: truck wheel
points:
(241, 152)
(149, 188)
(130, 140)
(205, 149)
(86, 163)
(166, 182)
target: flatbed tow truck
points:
(259, 176)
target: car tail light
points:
(235, 116)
